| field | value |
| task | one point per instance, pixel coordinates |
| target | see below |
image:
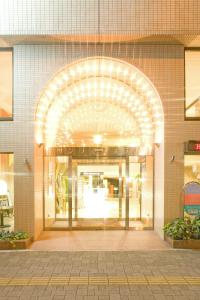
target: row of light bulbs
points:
(91, 66)
(133, 97)
(140, 113)
(98, 67)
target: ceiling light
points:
(97, 139)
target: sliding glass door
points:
(98, 193)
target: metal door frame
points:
(106, 158)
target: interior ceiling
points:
(114, 118)
(90, 118)
(185, 40)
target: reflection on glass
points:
(192, 185)
(191, 168)
(99, 192)
(141, 192)
(61, 187)
(56, 190)
(6, 191)
(97, 202)
(192, 83)
(5, 84)
(49, 188)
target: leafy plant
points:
(196, 228)
(12, 236)
(183, 228)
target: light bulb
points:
(97, 139)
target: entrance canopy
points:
(99, 101)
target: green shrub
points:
(183, 228)
(12, 236)
(196, 228)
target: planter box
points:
(20, 244)
(183, 244)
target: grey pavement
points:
(156, 275)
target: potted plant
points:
(183, 233)
(196, 228)
(14, 240)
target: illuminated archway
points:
(99, 92)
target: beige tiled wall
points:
(34, 65)
(116, 17)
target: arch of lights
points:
(99, 84)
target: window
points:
(5, 84)
(192, 185)
(192, 83)
(7, 191)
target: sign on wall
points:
(192, 146)
(192, 199)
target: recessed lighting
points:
(97, 139)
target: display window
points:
(6, 84)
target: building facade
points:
(98, 103)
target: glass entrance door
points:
(98, 191)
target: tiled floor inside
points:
(100, 275)
(104, 240)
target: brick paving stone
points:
(69, 297)
(100, 264)
(115, 297)
(148, 297)
(90, 298)
(28, 298)
(135, 297)
(82, 291)
(45, 297)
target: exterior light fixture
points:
(172, 158)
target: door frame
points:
(81, 153)
(103, 161)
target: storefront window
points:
(5, 84)
(192, 185)
(6, 191)
(192, 83)
(192, 168)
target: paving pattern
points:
(95, 275)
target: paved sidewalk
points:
(155, 275)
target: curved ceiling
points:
(99, 95)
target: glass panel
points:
(147, 192)
(134, 190)
(49, 189)
(56, 191)
(98, 193)
(141, 192)
(6, 191)
(191, 168)
(192, 83)
(191, 200)
(61, 187)
(5, 84)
